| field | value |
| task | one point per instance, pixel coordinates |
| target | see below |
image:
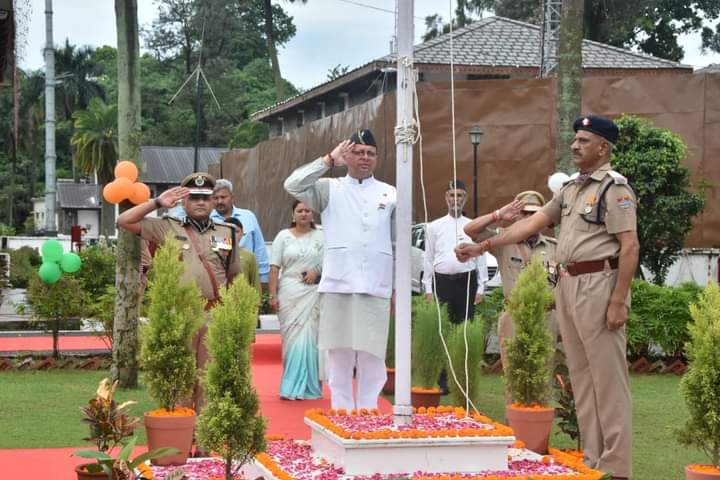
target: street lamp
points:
(475, 135)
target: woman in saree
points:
(295, 268)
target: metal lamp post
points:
(475, 135)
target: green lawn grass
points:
(42, 410)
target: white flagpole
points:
(403, 214)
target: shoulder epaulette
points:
(618, 178)
(225, 224)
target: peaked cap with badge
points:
(598, 125)
(199, 183)
(534, 201)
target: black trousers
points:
(452, 291)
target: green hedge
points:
(659, 317)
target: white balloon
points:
(556, 181)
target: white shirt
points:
(441, 238)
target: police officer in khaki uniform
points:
(209, 249)
(512, 259)
(598, 254)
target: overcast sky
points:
(329, 32)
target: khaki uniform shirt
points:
(215, 243)
(580, 240)
(250, 268)
(512, 259)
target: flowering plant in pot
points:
(111, 427)
(427, 351)
(166, 354)
(530, 351)
(230, 423)
(700, 386)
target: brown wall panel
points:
(517, 151)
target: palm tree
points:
(96, 147)
(75, 68)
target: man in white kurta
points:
(357, 213)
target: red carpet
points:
(284, 417)
(44, 343)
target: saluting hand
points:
(617, 314)
(338, 154)
(512, 210)
(169, 198)
(466, 251)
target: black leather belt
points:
(456, 276)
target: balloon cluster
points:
(55, 262)
(125, 187)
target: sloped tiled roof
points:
(494, 42)
(499, 41)
(78, 195)
(169, 165)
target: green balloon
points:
(70, 262)
(52, 251)
(49, 272)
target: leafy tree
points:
(269, 13)
(95, 140)
(230, 423)
(248, 134)
(337, 71)
(652, 26)
(464, 9)
(74, 67)
(56, 303)
(651, 158)
(23, 262)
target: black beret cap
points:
(601, 126)
(363, 137)
(457, 185)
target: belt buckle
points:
(562, 270)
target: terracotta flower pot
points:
(704, 472)
(531, 425)
(83, 474)
(425, 397)
(389, 387)
(170, 431)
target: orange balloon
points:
(126, 169)
(112, 193)
(125, 187)
(140, 193)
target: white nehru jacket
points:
(358, 237)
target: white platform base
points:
(432, 455)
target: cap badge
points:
(586, 122)
(200, 181)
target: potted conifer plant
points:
(701, 384)
(530, 352)
(475, 333)
(427, 351)
(230, 424)
(166, 354)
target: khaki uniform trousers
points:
(506, 331)
(197, 400)
(596, 359)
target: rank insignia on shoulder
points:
(381, 206)
(618, 178)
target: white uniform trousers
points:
(371, 376)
